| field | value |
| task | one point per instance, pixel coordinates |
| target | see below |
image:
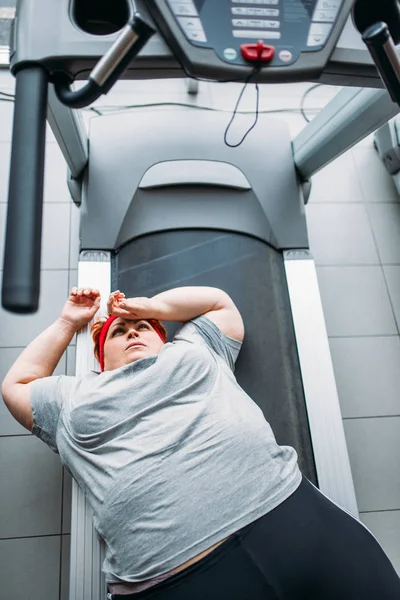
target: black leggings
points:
(305, 549)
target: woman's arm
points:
(183, 304)
(41, 357)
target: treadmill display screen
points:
(290, 26)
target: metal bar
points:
(69, 131)
(21, 279)
(353, 114)
(326, 425)
(87, 553)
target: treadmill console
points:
(217, 38)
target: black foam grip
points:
(383, 52)
(21, 277)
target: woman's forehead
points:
(122, 321)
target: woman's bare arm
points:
(183, 304)
(38, 360)
(40, 357)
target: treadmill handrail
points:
(194, 172)
(109, 68)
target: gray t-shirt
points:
(171, 453)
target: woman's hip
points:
(318, 550)
(307, 547)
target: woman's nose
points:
(132, 333)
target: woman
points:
(189, 490)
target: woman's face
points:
(128, 340)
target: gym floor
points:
(354, 228)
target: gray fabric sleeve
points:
(47, 398)
(203, 330)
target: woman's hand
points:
(81, 306)
(130, 308)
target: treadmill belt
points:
(253, 274)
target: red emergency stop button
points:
(257, 52)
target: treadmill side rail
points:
(353, 114)
(68, 129)
(323, 409)
(87, 553)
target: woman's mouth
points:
(134, 345)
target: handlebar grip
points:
(21, 276)
(383, 51)
(109, 68)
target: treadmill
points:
(166, 203)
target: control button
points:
(190, 24)
(318, 34)
(183, 7)
(328, 5)
(255, 23)
(264, 35)
(230, 54)
(239, 22)
(240, 10)
(259, 52)
(285, 56)
(193, 29)
(196, 35)
(265, 2)
(324, 15)
(316, 39)
(255, 12)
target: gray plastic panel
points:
(69, 131)
(351, 63)
(45, 33)
(124, 146)
(209, 60)
(194, 172)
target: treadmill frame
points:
(368, 110)
(323, 409)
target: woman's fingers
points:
(91, 293)
(114, 301)
(116, 295)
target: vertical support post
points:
(21, 278)
(87, 553)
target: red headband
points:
(106, 327)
